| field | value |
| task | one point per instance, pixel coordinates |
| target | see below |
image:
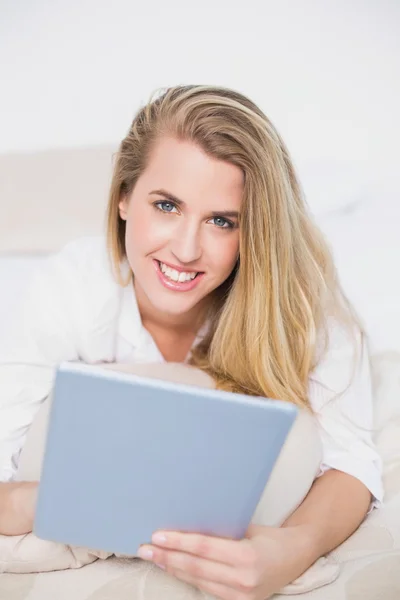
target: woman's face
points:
(182, 232)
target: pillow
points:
(386, 382)
(332, 185)
(366, 246)
(281, 496)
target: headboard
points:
(48, 198)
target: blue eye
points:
(223, 223)
(165, 206)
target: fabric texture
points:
(76, 311)
(365, 567)
(369, 561)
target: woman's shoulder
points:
(75, 288)
(84, 253)
(81, 262)
(344, 358)
(79, 276)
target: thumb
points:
(256, 530)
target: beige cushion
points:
(282, 494)
(369, 560)
(386, 380)
(49, 198)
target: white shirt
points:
(75, 311)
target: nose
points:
(185, 244)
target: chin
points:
(174, 307)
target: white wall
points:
(73, 72)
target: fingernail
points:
(160, 566)
(145, 554)
(159, 538)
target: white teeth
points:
(175, 275)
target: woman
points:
(216, 262)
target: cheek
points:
(223, 253)
(142, 230)
(136, 228)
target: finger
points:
(197, 568)
(218, 590)
(229, 552)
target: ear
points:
(123, 208)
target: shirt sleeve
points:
(340, 393)
(41, 334)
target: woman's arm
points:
(40, 335)
(335, 506)
(17, 507)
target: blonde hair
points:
(267, 318)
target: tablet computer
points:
(127, 455)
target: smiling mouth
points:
(177, 276)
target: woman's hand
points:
(253, 568)
(17, 507)
(268, 558)
(25, 502)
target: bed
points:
(362, 229)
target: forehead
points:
(185, 170)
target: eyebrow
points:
(214, 213)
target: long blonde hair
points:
(268, 318)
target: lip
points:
(177, 286)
